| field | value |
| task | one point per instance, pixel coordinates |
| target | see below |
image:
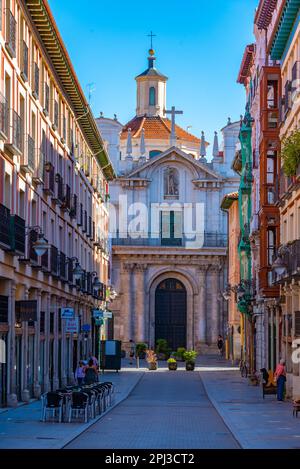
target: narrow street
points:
(165, 410)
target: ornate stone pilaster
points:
(200, 313)
(37, 386)
(139, 292)
(126, 316)
(12, 400)
(215, 319)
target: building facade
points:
(284, 47)
(169, 234)
(54, 173)
(235, 333)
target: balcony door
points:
(171, 228)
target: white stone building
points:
(168, 233)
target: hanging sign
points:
(107, 314)
(72, 325)
(67, 313)
(97, 313)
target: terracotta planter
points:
(172, 366)
(189, 366)
(152, 366)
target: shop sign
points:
(99, 322)
(97, 313)
(107, 315)
(67, 313)
(72, 325)
(86, 328)
(26, 310)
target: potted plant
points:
(141, 348)
(151, 359)
(162, 349)
(179, 353)
(190, 358)
(172, 364)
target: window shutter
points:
(165, 225)
(177, 224)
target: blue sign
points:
(67, 313)
(86, 327)
(97, 313)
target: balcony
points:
(70, 271)
(15, 139)
(54, 261)
(38, 176)
(10, 43)
(36, 82)
(205, 240)
(58, 197)
(73, 209)
(17, 235)
(80, 217)
(4, 227)
(62, 267)
(84, 227)
(29, 164)
(4, 117)
(49, 179)
(66, 205)
(24, 62)
(55, 123)
(291, 259)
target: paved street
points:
(165, 410)
(212, 407)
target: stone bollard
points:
(12, 400)
(25, 395)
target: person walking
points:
(280, 377)
(132, 351)
(91, 373)
(95, 361)
(80, 373)
(220, 344)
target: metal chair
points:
(52, 402)
(79, 404)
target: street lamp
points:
(77, 272)
(40, 246)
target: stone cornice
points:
(159, 253)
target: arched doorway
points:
(170, 313)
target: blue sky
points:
(199, 46)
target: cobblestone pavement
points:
(165, 410)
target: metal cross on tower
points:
(173, 113)
(151, 35)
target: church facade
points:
(168, 234)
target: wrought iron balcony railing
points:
(205, 239)
(10, 33)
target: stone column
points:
(200, 313)
(37, 386)
(215, 323)
(12, 400)
(25, 393)
(126, 302)
(55, 347)
(46, 383)
(64, 378)
(139, 306)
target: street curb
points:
(220, 412)
(96, 420)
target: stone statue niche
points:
(171, 183)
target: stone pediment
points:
(173, 154)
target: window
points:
(153, 153)
(7, 191)
(271, 245)
(22, 204)
(171, 228)
(152, 96)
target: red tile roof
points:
(156, 127)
